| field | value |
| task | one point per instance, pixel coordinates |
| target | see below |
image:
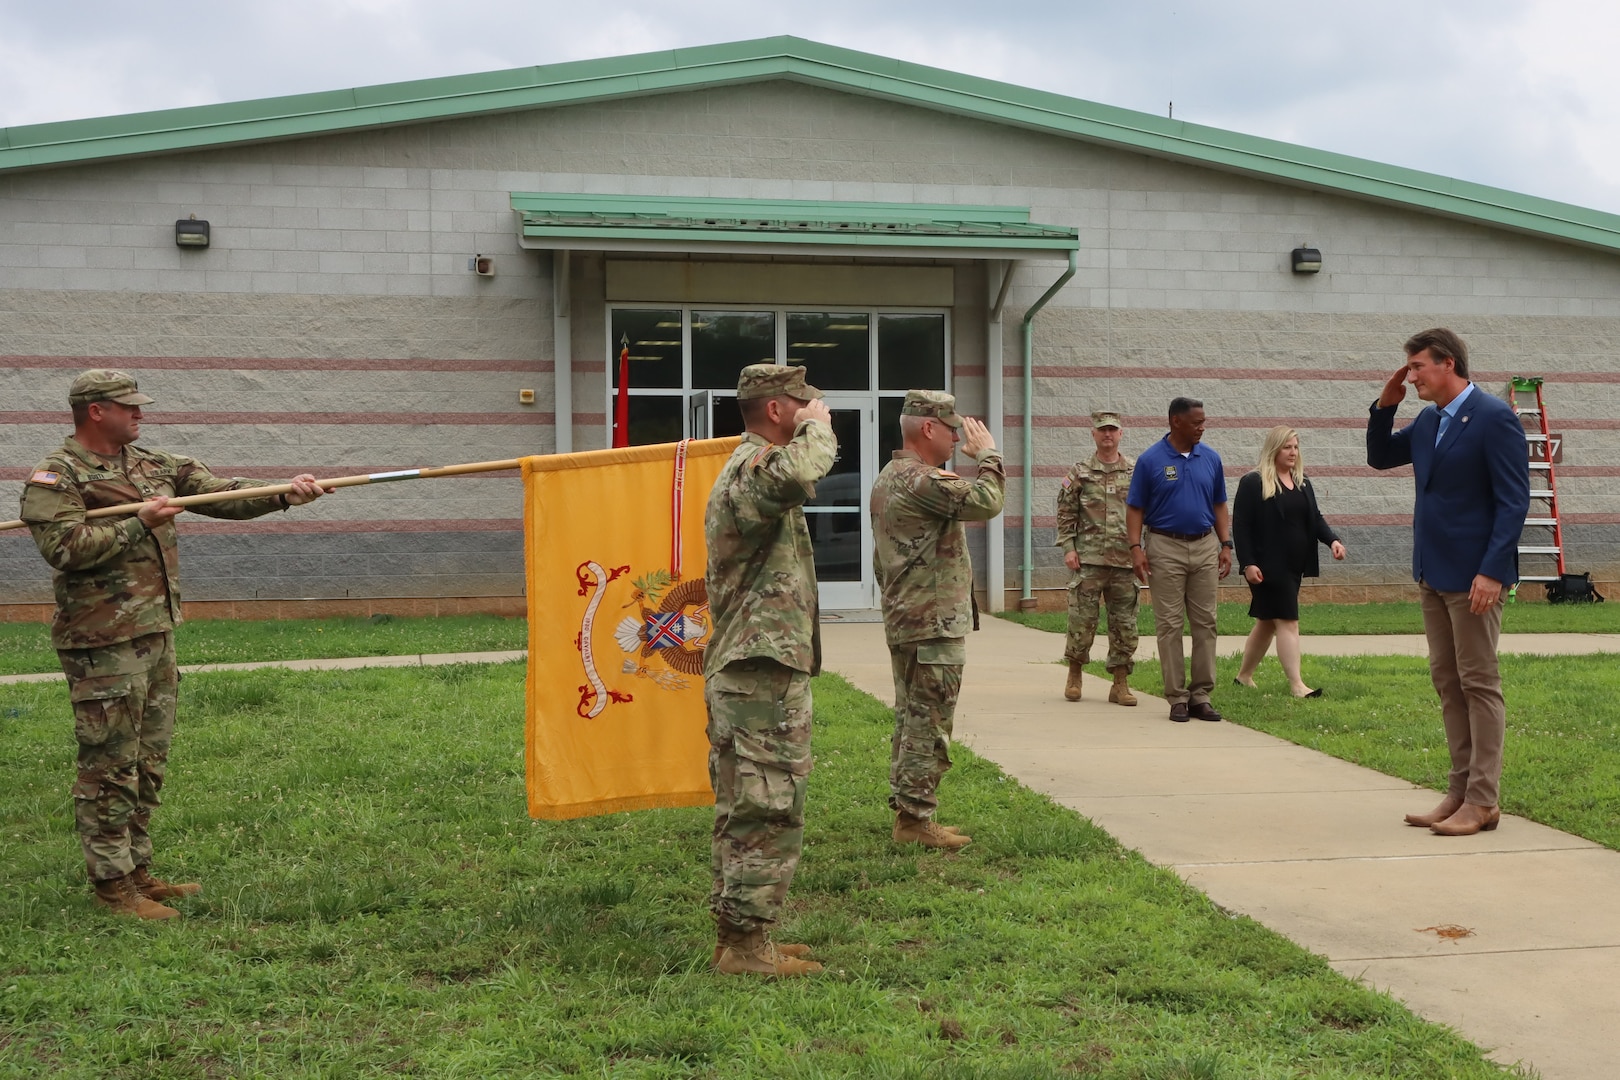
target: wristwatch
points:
(1226, 543)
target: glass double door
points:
(681, 364)
(839, 532)
(837, 518)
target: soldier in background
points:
(117, 586)
(926, 577)
(1091, 532)
(765, 645)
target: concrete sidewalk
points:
(1314, 847)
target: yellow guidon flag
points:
(614, 555)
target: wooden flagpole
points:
(281, 489)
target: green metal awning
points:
(657, 223)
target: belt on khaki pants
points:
(1180, 536)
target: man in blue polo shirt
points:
(1181, 545)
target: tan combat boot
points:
(798, 952)
(916, 830)
(120, 896)
(1071, 689)
(1120, 692)
(753, 954)
(154, 889)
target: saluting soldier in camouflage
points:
(117, 584)
(765, 645)
(921, 560)
(1091, 532)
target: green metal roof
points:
(548, 220)
(45, 145)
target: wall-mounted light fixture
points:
(482, 265)
(1306, 260)
(191, 233)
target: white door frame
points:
(858, 595)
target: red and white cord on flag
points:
(677, 499)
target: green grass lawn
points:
(26, 647)
(1394, 618)
(1562, 761)
(377, 903)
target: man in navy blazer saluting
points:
(1470, 460)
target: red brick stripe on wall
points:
(258, 419)
(1236, 472)
(1359, 519)
(1375, 379)
(235, 363)
(282, 472)
(1224, 422)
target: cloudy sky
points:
(1520, 94)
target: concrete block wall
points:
(333, 324)
(1321, 383)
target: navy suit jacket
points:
(1473, 490)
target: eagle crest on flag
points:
(662, 643)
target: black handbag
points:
(1573, 589)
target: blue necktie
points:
(1445, 422)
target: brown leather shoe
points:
(1448, 806)
(916, 830)
(154, 889)
(1120, 692)
(1178, 712)
(120, 896)
(755, 955)
(1071, 689)
(1203, 710)
(1468, 820)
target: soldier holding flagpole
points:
(117, 588)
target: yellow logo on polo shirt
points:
(1170, 473)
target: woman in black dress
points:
(1276, 527)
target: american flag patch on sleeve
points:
(49, 479)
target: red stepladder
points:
(1543, 537)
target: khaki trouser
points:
(124, 698)
(1462, 663)
(759, 757)
(927, 679)
(1183, 575)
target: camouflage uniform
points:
(764, 647)
(922, 566)
(117, 603)
(1091, 522)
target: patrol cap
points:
(932, 403)
(1105, 418)
(104, 384)
(770, 380)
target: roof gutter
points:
(1027, 597)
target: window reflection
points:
(835, 348)
(836, 542)
(842, 485)
(911, 352)
(655, 347)
(888, 432)
(656, 419)
(725, 342)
